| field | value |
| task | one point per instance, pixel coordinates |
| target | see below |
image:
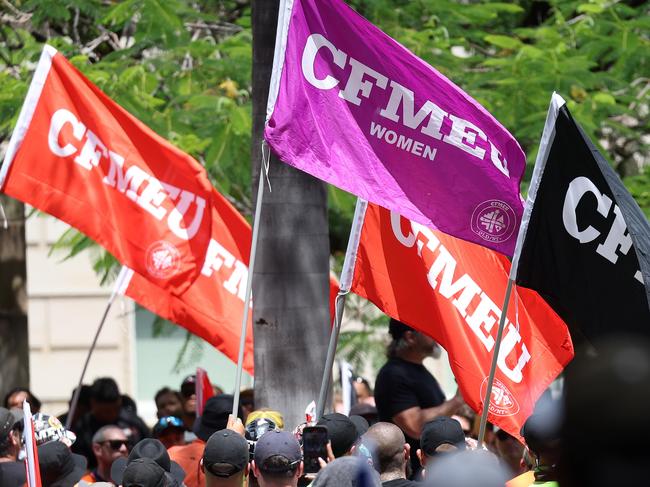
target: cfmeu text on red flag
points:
(79, 156)
(448, 288)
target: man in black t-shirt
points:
(405, 391)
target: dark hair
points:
(34, 403)
(5, 445)
(278, 467)
(164, 391)
(247, 397)
(105, 390)
(129, 404)
(84, 395)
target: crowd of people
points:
(404, 434)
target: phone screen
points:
(314, 445)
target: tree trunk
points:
(291, 275)
(14, 348)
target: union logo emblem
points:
(494, 221)
(502, 401)
(163, 259)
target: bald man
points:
(390, 449)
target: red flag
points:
(204, 390)
(213, 306)
(449, 289)
(79, 156)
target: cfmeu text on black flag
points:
(584, 243)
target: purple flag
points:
(355, 108)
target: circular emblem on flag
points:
(163, 259)
(502, 402)
(494, 221)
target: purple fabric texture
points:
(357, 109)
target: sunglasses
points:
(116, 444)
(171, 421)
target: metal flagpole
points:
(249, 288)
(493, 368)
(346, 281)
(75, 399)
(540, 163)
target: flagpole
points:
(116, 290)
(345, 283)
(540, 163)
(249, 288)
(495, 358)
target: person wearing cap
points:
(151, 449)
(439, 437)
(59, 466)
(225, 460)
(170, 430)
(188, 401)
(145, 472)
(341, 431)
(11, 470)
(406, 393)
(543, 439)
(109, 444)
(168, 403)
(392, 453)
(277, 461)
(214, 418)
(106, 408)
(49, 428)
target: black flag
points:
(584, 244)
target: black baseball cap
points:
(188, 386)
(397, 329)
(360, 423)
(215, 416)
(341, 431)
(441, 431)
(147, 448)
(59, 466)
(144, 472)
(277, 443)
(8, 421)
(225, 453)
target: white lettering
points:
(314, 43)
(463, 135)
(577, 189)
(405, 143)
(396, 225)
(401, 95)
(498, 160)
(236, 283)
(446, 265)
(507, 346)
(356, 84)
(377, 130)
(177, 215)
(152, 197)
(91, 151)
(618, 237)
(215, 257)
(58, 120)
(483, 319)
(390, 137)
